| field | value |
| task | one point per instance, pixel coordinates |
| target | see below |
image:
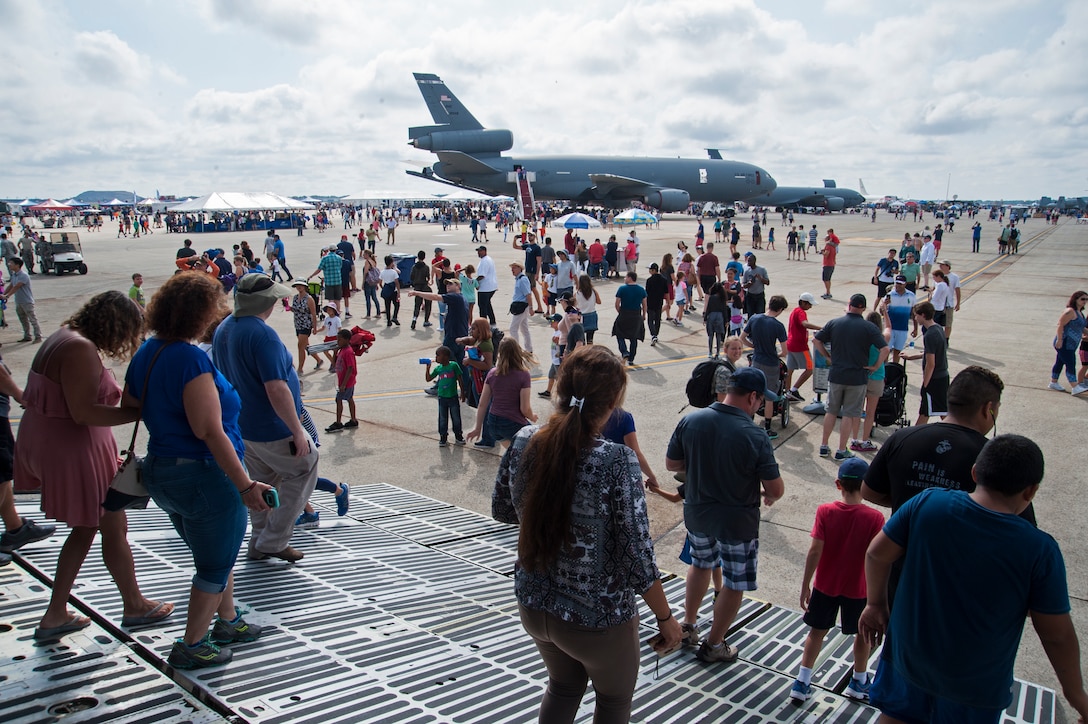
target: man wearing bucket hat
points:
(278, 450)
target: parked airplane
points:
(470, 156)
(829, 197)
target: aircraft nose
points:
(767, 182)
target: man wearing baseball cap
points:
(722, 497)
(954, 287)
(898, 305)
(521, 306)
(252, 357)
(850, 337)
(798, 356)
(487, 283)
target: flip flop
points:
(159, 613)
(74, 623)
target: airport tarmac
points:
(1008, 316)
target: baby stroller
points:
(782, 406)
(891, 408)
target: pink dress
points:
(72, 464)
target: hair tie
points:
(577, 402)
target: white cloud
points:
(308, 97)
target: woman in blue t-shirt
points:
(194, 469)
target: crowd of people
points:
(230, 449)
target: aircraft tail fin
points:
(829, 183)
(446, 110)
(714, 153)
(861, 186)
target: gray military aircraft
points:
(470, 156)
(828, 197)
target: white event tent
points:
(242, 201)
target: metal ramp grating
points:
(88, 676)
(403, 611)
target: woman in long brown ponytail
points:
(584, 549)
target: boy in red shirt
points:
(840, 536)
(797, 351)
(346, 373)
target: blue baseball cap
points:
(853, 468)
(750, 379)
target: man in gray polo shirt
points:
(721, 501)
(754, 282)
(850, 337)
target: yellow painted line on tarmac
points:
(397, 394)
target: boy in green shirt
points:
(450, 377)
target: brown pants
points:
(574, 655)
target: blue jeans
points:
(449, 408)
(370, 291)
(624, 352)
(206, 510)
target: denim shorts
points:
(897, 697)
(502, 428)
(206, 510)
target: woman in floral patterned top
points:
(584, 549)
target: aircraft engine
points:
(668, 199)
(491, 140)
(835, 203)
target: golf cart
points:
(62, 253)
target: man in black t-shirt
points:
(656, 289)
(940, 455)
(934, 388)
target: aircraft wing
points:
(605, 183)
(462, 163)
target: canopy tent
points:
(577, 220)
(242, 201)
(50, 205)
(25, 202)
(118, 202)
(635, 216)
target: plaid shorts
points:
(738, 559)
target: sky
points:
(978, 99)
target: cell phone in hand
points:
(657, 643)
(292, 447)
(271, 497)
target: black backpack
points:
(497, 336)
(700, 386)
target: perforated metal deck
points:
(403, 611)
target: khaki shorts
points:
(874, 388)
(948, 313)
(845, 400)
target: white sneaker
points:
(1079, 389)
(1057, 387)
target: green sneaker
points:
(204, 654)
(236, 631)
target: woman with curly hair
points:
(584, 546)
(193, 468)
(71, 402)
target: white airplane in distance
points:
(874, 199)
